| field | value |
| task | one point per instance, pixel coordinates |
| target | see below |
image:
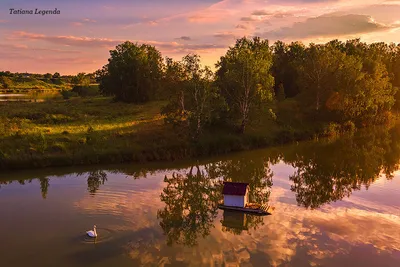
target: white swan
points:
(92, 233)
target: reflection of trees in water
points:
(255, 171)
(5, 183)
(23, 182)
(191, 203)
(328, 172)
(95, 179)
(236, 222)
(44, 186)
(325, 171)
(135, 174)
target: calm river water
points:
(32, 96)
(337, 203)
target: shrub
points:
(86, 91)
(332, 129)
(38, 142)
(5, 82)
(90, 135)
(57, 148)
(67, 94)
(349, 126)
(287, 134)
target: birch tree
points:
(244, 77)
(192, 91)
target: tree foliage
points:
(133, 73)
(5, 82)
(81, 79)
(244, 77)
(338, 81)
(191, 93)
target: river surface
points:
(336, 203)
(32, 96)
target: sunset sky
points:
(80, 37)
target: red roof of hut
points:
(237, 189)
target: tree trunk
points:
(318, 96)
(243, 126)
(182, 101)
(198, 128)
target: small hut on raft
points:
(236, 194)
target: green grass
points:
(98, 130)
(28, 84)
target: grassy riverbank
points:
(97, 130)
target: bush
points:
(67, 94)
(5, 82)
(85, 91)
(385, 118)
(332, 129)
(38, 142)
(57, 148)
(349, 126)
(287, 134)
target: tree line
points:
(344, 84)
(9, 80)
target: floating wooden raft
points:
(264, 209)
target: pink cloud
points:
(226, 35)
(21, 48)
(77, 24)
(89, 20)
(169, 47)
(82, 22)
(67, 40)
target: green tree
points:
(191, 93)
(316, 74)
(56, 75)
(174, 77)
(104, 80)
(244, 77)
(5, 82)
(81, 79)
(47, 76)
(280, 94)
(287, 60)
(200, 87)
(395, 67)
(360, 96)
(133, 73)
(174, 80)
